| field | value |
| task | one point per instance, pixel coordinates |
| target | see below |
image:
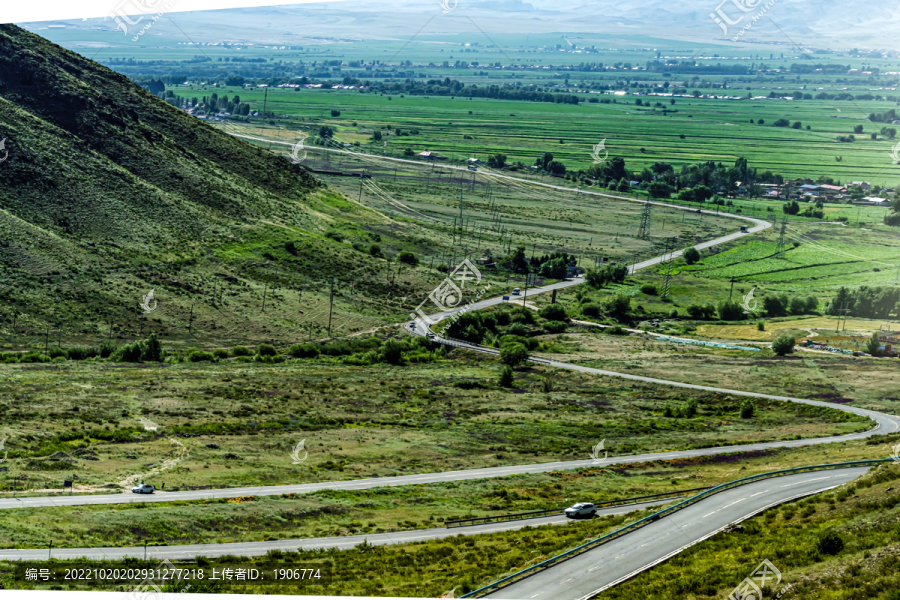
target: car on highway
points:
(143, 488)
(582, 510)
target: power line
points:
(780, 247)
(644, 230)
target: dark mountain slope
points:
(108, 192)
(87, 145)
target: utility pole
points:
(215, 286)
(460, 203)
(780, 248)
(191, 321)
(644, 230)
(669, 261)
(732, 288)
(265, 288)
(47, 341)
(331, 305)
(265, 101)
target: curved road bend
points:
(587, 574)
(342, 542)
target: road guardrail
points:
(534, 514)
(665, 512)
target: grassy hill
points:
(109, 192)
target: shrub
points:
(747, 409)
(375, 250)
(522, 315)
(590, 310)
(620, 305)
(145, 350)
(783, 344)
(691, 255)
(553, 312)
(303, 351)
(776, 305)
(201, 356)
(555, 326)
(529, 343)
(392, 351)
(266, 350)
(106, 349)
(829, 543)
(506, 376)
(513, 354)
(649, 289)
(335, 113)
(617, 330)
(729, 310)
(408, 258)
(690, 409)
(57, 353)
(761, 326)
(240, 351)
(701, 311)
(34, 357)
(335, 235)
(873, 345)
(220, 353)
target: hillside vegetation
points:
(109, 192)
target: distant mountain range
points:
(825, 24)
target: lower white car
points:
(582, 510)
(143, 488)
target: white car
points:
(143, 488)
(582, 510)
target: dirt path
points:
(167, 464)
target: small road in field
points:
(588, 574)
(341, 542)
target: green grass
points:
(237, 422)
(464, 563)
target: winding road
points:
(580, 577)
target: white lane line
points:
(805, 481)
(724, 507)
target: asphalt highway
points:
(342, 542)
(587, 574)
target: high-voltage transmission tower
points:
(644, 231)
(780, 247)
(667, 260)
